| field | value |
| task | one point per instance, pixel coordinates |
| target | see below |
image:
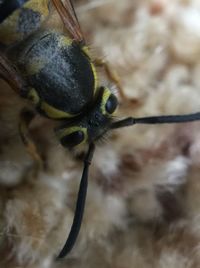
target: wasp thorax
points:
(92, 124)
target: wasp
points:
(54, 70)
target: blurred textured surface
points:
(143, 204)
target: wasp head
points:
(90, 125)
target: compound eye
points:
(111, 104)
(73, 139)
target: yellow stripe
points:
(54, 113)
(95, 76)
(9, 28)
(105, 97)
(87, 53)
(40, 6)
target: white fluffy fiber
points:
(143, 201)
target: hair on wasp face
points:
(56, 72)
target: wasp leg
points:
(26, 117)
(112, 76)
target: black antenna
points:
(80, 205)
(165, 119)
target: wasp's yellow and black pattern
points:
(60, 74)
(23, 21)
(55, 71)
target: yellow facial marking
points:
(33, 96)
(54, 113)
(67, 131)
(105, 97)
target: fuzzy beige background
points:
(143, 203)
